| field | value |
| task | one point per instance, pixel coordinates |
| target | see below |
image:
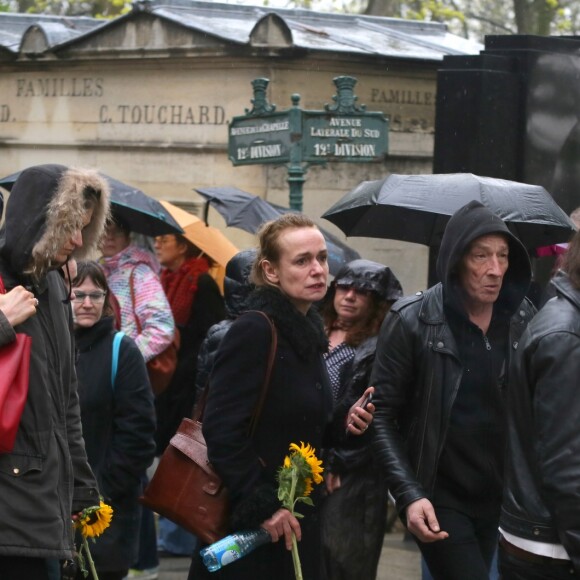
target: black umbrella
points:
(248, 212)
(144, 214)
(416, 208)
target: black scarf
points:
(305, 333)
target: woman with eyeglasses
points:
(354, 513)
(117, 414)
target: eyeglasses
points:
(348, 287)
(94, 297)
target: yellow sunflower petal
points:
(95, 521)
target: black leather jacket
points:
(416, 388)
(542, 494)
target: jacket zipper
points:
(487, 345)
(424, 426)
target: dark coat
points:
(298, 408)
(354, 516)
(541, 496)
(354, 452)
(177, 401)
(236, 291)
(118, 426)
(47, 476)
(418, 370)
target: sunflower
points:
(309, 455)
(94, 520)
(296, 478)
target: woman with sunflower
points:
(118, 418)
(290, 273)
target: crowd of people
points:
(458, 401)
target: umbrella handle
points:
(206, 212)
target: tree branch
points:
(493, 23)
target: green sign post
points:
(298, 138)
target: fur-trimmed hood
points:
(305, 333)
(46, 206)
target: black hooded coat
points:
(418, 370)
(354, 516)
(46, 477)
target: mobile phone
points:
(368, 399)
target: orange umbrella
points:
(208, 239)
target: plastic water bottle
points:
(233, 547)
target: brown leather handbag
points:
(161, 367)
(185, 488)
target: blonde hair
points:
(269, 242)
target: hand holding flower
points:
(283, 525)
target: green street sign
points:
(351, 137)
(344, 131)
(259, 139)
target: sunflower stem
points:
(296, 558)
(90, 559)
(295, 555)
(293, 492)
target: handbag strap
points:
(115, 362)
(2, 287)
(198, 414)
(133, 311)
(266, 383)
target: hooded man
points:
(440, 373)
(53, 213)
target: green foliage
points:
(94, 8)
(434, 10)
(471, 18)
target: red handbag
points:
(15, 365)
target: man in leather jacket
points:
(540, 517)
(440, 374)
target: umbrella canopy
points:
(144, 214)
(248, 212)
(416, 208)
(210, 240)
